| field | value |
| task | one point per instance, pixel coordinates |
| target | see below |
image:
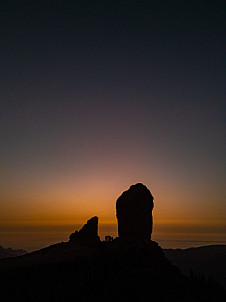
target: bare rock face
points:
(134, 213)
(88, 233)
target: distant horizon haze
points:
(35, 236)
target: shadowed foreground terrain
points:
(207, 260)
(105, 271)
(128, 268)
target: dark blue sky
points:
(106, 93)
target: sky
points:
(99, 95)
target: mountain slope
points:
(106, 271)
(207, 260)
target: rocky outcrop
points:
(134, 213)
(88, 233)
(9, 252)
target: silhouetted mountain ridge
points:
(207, 260)
(118, 271)
(9, 252)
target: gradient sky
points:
(99, 95)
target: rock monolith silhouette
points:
(134, 213)
(88, 233)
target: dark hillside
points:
(207, 260)
(112, 271)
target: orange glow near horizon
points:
(51, 211)
(81, 205)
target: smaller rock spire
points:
(88, 233)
